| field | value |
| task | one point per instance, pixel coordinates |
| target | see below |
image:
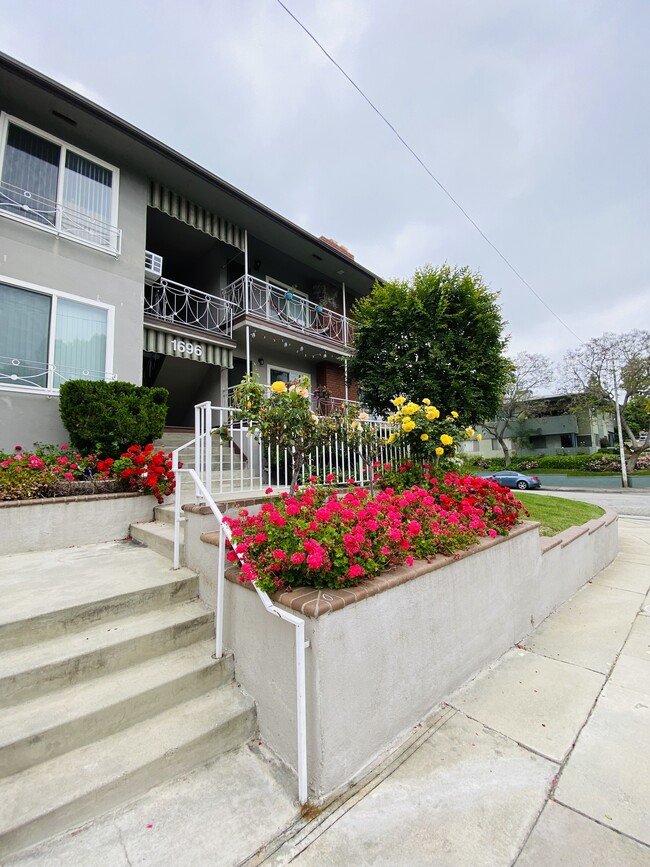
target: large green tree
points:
(439, 336)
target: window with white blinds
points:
(52, 185)
(47, 338)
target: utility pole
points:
(621, 446)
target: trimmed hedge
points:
(104, 418)
(543, 462)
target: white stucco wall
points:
(41, 525)
(378, 666)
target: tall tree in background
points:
(589, 371)
(531, 372)
(438, 336)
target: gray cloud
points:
(535, 116)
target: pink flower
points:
(259, 538)
(355, 571)
(409, 561)
(68, 476)
(329, 478)
(268, 491)
(63, 448)
(315, 560)
(297, 558)
(279, 554)
(492, 533)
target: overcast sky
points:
(534, 115)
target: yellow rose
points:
(435, 412)
(469, 431)
(391, 418)
(426, 401)
(479, 437)
(363, 416)
(407, 426)
(440, 451)
(454, 413)
(391, 439)
(278, 387)
(410, 408)
(398, 401)
(424, 437)
(446, 440)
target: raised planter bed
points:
(384, 653)
(63, 522)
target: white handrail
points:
(300, 644)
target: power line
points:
(428, 171)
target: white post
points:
(621, 447)
(218, 614)
(248, 349)
(345, 316)
(177, 510)
(246, 287)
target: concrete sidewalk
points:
(542, 760)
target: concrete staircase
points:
(107, 685)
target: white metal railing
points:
(298, 623)
(64, 220)
(22, 372)
(260, 298)
(337, 457)
(174, 302)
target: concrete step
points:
(157, 536)
(70, 789)
(41, 729)
(33, 670)
(47, 595)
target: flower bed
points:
(58, 471)
(321, 537)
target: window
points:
(538, 442)
(47, 183)
(278, 374)
(567, 440)
(48, 337)
(288, 303)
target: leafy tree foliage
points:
(531, 371)
(438, 336)
(589, 371)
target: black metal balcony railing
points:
(283, 307)
(173, 302)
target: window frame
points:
(5, 121)
(54, 294)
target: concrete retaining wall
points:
(41, 525)
(380, 664)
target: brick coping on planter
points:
(315, 603)
(79, 498)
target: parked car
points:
(513, 479)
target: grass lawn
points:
(556, 514)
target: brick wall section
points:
(332, 375)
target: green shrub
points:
(106, 417)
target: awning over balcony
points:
(194, 215)
(179, 346)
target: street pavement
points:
(542, 760)
(624, 502)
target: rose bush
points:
(322, 537)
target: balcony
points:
(174, 303)
(254, 297)
(62, 220)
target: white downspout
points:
(246, 291)
(345, 340)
